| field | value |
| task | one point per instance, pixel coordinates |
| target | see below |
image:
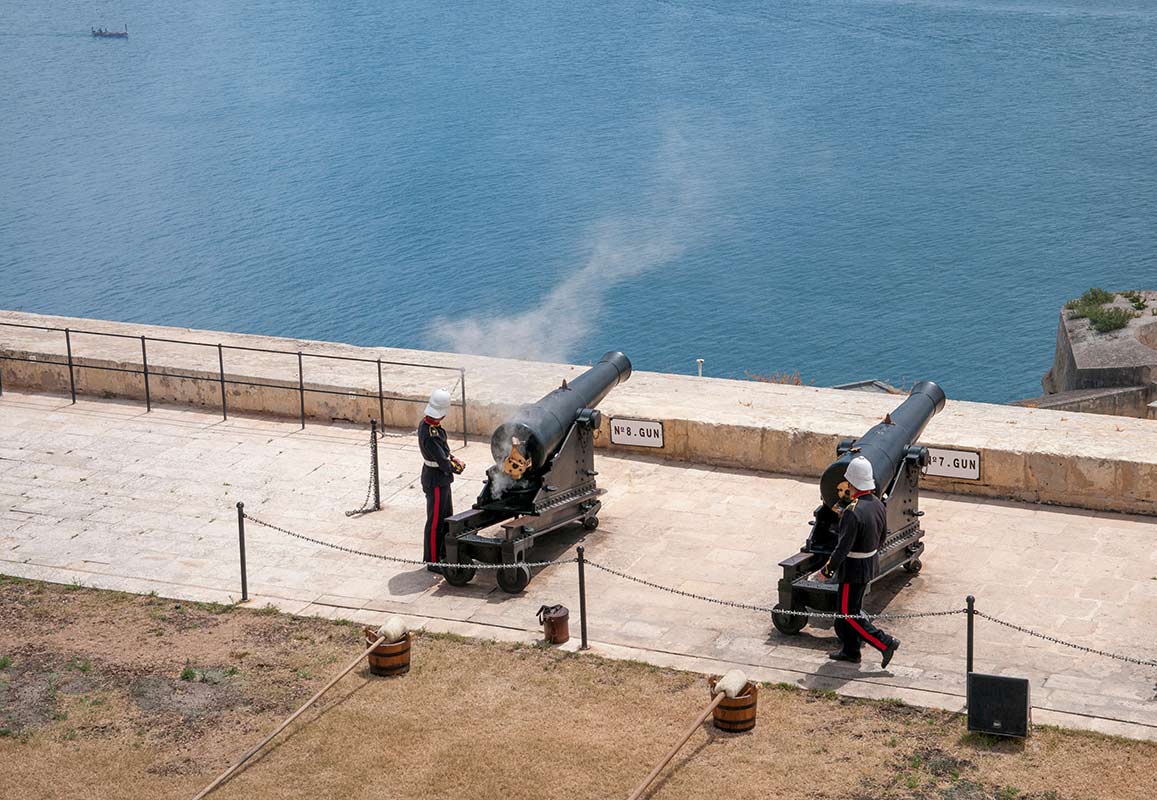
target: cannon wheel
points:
(458, 574)
(789, 624)
(914, 566)
(513, 579)
(590, 523)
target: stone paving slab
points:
(105, 494)
(1034, 455)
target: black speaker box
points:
(999, 705)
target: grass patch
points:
(785, 378)
(980, 741)
(1091, 306)
(1135, 299)
(1110, 319)
(188, 673)
(5, 662)
(1093, 297)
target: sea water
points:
(849, 188)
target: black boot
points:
(842, 655)
(890, 651)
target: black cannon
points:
(897, 463)
(543, 478)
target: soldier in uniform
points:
(438, 470)
(855, 562)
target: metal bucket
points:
(555, 623)
(388, 659)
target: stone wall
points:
(1126, 401)
(1027, 454)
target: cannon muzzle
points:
(526, 442)
(886, 444)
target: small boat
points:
(101, 33)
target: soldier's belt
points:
(430, 463)
(862, 555)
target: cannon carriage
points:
(542, 479)
(897, 464)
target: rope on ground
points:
(765, 609)
(399, 559)
(1141, 661)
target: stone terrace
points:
(1069, 459)
(102, 493)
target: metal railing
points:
(146, 373)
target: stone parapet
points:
(1038, 455)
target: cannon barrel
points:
(885, 444)
(541, 427)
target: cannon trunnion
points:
(543, 479)
(897, 463)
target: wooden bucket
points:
(388, 659)
(738, 714)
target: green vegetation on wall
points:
(1091, 306)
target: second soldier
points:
(438, 470)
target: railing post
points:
(582, 598)
(462, 379)
(301, 387)
(145, 362)
(374, 459)
(241, 544)
(1, 377)
(71, 374)
(221, 364)
(381, 402)
(970, 600)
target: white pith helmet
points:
(439, 405)
(859, 474)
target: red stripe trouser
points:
(854, 631)
(439, 506)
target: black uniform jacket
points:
(436, 469)
(862, 528)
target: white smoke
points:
(673, 216)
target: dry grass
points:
(471, 720)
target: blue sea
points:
(849, 188)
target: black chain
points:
(399, 559)
(1143, 662)
(367, 507)
(765, 609)
(729, 603)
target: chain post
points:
(970, 601)
(241, 544)
(374, 464)
(145, 363)
(301, 387)
(381, 401)
(582, 597)
(71, 373)
(221, 365)
(462, 379)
